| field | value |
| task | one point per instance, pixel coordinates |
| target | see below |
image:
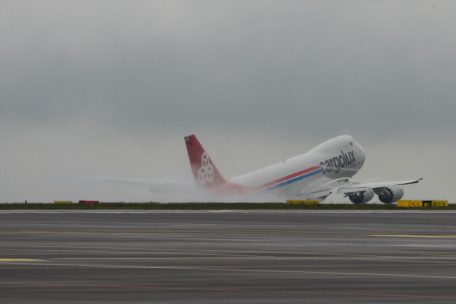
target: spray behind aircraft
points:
(325, 169)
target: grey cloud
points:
(257, 65)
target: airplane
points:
(321, 171)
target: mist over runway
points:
(295, 256)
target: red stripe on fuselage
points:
(231, 188)
(289, 176)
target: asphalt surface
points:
(228, 257)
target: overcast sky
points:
(109, 88)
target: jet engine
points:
(389, 195)
(361, 197)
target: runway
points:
(228, 256)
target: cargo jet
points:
(316, 174)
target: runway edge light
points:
(303, 202)
(421, 203)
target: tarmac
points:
(293, 256)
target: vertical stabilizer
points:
(204, 171)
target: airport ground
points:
(250, 256)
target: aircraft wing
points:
(351, 187)
(345, 186)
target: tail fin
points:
(203, 169)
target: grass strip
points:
(204, 206)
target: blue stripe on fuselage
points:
(295, 179)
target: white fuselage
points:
(336, 158)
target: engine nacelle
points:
(389, 195)
(361, 197)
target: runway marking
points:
(426, 236)
(117, 251)
(360, 274)
(426, 259)
(19, 260)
